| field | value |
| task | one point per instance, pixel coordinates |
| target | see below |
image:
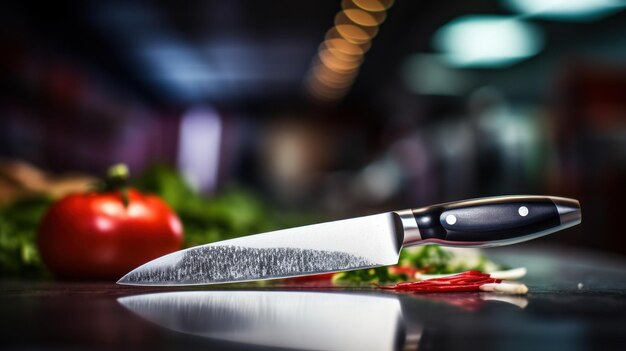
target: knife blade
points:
(362, 242)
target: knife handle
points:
(493, 221)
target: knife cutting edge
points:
(362, 242)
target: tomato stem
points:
(117, 180)
(118, 171)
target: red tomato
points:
(94, 236)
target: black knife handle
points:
(490, 221)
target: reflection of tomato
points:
(409, 271)
(96, 236)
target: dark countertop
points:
(577, 301)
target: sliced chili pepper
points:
(462, 282)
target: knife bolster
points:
(406, 228)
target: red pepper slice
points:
(462, 282)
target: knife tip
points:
(125, 280)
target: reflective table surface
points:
(577, 301)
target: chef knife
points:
(362, 242)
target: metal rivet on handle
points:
(523, 211)
(451, 219)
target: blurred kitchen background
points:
(331, 107)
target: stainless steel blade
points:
(302, 320)
(356, 243)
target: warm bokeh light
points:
(330, 89)
(354, 33)
(337, 65)
(364, 18)
(373, 5)
(346, 47)
(332, 81)
(327, 74)
(342, 51)
(340, 55)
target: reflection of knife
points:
(306, 319)
(301, 320)
(362, 242)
